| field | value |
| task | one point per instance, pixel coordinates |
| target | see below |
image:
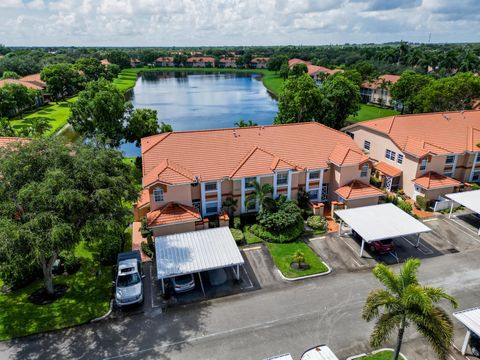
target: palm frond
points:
(387, 277)
(376, 299)
(438, 294)
(384, 328)
(413, 296)
(408, 272)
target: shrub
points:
(405, 206)
(237, 235)
(71, 263)
(317, 222)
(249, 237)
(421, 202)
(108, 250)
(18, 275)
(146, 249)
(237, 222)
(375, 181)
(288, 235)
(306, 213)
(281, 217)
(392, 199)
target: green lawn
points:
(88, 297)
(383, 355)
(251, 238)
(282, 257)
(369, 112)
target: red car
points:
(382, 246)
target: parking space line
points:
(428, 252)
(456, 222)
(395, 256)
(317, 238)
(354, 260)
(252, 248)
(432, 219)
(249, 280)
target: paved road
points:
(253, 325)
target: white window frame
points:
(390, 155)
(364, 170)
(211, 183)
(423, 165)
(211, 203)
(162, 194)
(447, 162)
(400, 159)
(280, 176)
(367, 145)
(316, 176)
(246, 187)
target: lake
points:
(193, 101)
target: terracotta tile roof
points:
(201, 59)
(295, 61)
(217, 154)
(168, 172)
(105, 62)
(172, 213)
(27, 84)
(357, 189)
(388, 169)
(312, 69)
(260, 60)
(344, 156)
(432, 180)
(391, 79)
(433, 133)
(34, 79)
(144, 198)
(228, 60)
(4, 141)
(164, 59)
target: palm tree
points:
(243, 123)
(299, 258)
(229, 205)
(261, 194)
(403, 302)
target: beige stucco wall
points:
(361, 202)
(173, 229)
(179, 193)
(435, 193)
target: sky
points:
(235, 22)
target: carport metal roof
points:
(196, 251)
(471, 319)
(379, 222)
(469, 199)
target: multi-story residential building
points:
(317, 73)
(164, 61)
(259, 63)
(201, 61)
(134, 63)
(424, 154)
(227, 63)
(188, 175)
(378, 91)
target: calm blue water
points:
(192, 101)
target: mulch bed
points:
(40, 296)
(303, 266)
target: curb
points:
(307, 276)
(103, 317)
(374, 352)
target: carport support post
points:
(340, 228)
(418, 241)
(237, 273)
(451, 210)
(361, 249)
(465, 342)
(163, 287)
(201, 284)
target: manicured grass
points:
(249, 237)
(282, 257)
(369, 112)
(383, 355)
(56, 113)
(88, 297)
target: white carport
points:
(469, 199)
(471, 319)
(195, 252)
(380, 222)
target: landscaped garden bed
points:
(283, 257)
(383, 354)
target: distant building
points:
(317, 73)
(259, 63)
(164, 61)
(201, 61)
(105, 62)
(227, 63)
(134, 63)
(33, 82)
(378, 91)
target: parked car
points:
(320, 352)
(475, 344)
(217, 277)
(380, 246)
(128, 282)
(183, 283)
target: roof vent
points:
(235, 133)
(445, 117)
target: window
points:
(366, 145)
(211, 207)
(251, 206)
(324, 193)
(314, 175)
(423, 165)
(249, 181)
(400, 158)
(313, 194)
(448, 173)
(158, 194)
(450, 159)
(389, 154)
(211, 186)
(282, 179)
(364, 171)
(476, 176)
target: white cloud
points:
(11, 4)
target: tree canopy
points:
(406, 89)
(62, 80)
(15, 98)
(53, 195)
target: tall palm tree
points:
(405, 302)
(243, 123)
(261, 194)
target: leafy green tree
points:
(405, 90)
(54, 195)
(243, 123)
(10, 75)
(119, 57)
(7, 101)
(275, 62)
(36, 126)
(284, 71)
(404, 302)
(164, 128)
(300, 100)
(353, 75)
(6, 128)
(92, 69)
(141, 123)
(99, 112)
(342, 99)
(16, 98)
(453, 93)
(261, 195)
(298, 258)
(366, 69)
(279, 215)
(298, 70)
(62, 80)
